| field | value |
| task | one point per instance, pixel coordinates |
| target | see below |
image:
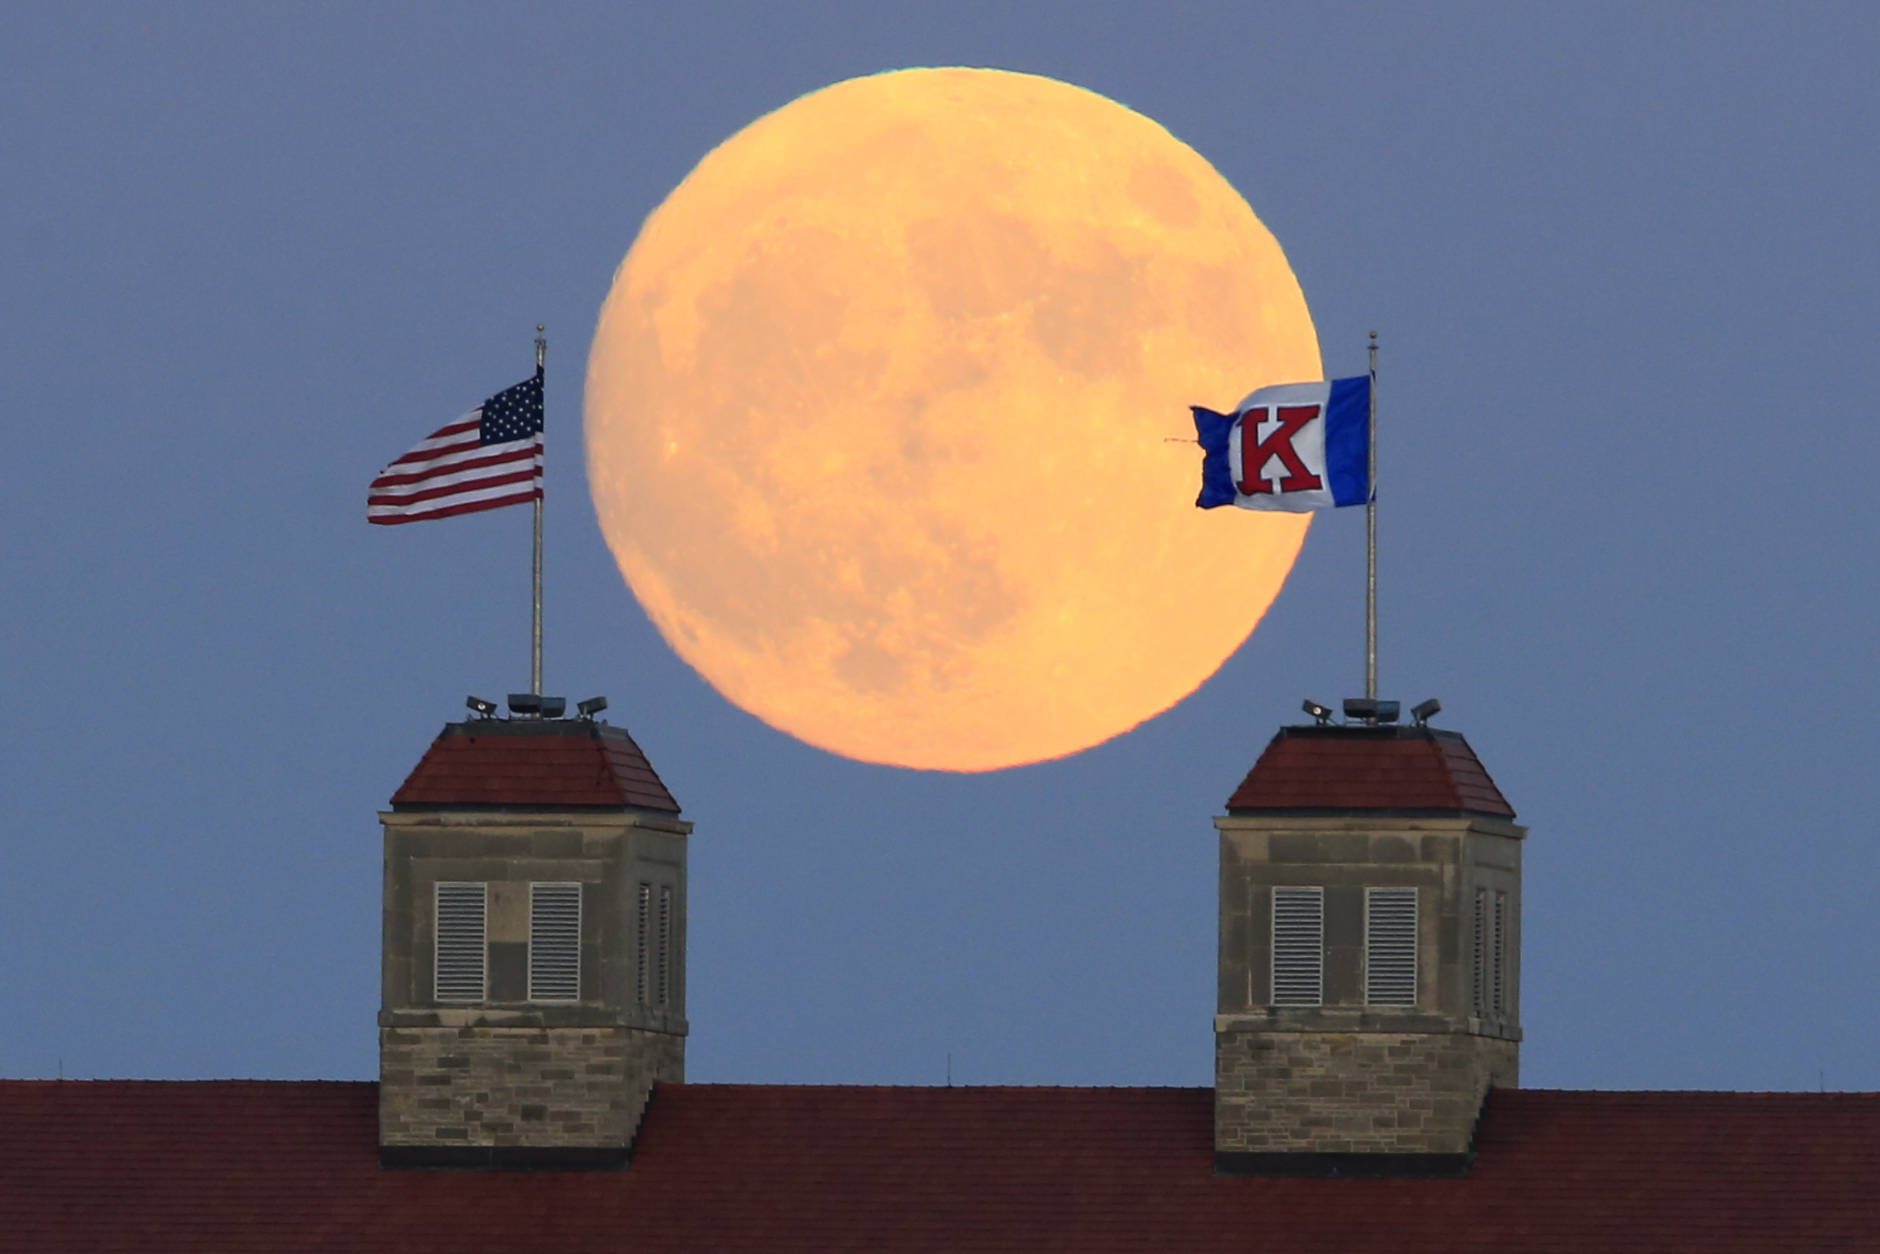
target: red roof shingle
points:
(287, 1166)
(550, 762)
(1345, 769)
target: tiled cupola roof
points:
(533, 763)
(1346, 770)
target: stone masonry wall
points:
(1354, 1092)
(523, 1087)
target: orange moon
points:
(876, 416)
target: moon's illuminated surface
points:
(876, 414)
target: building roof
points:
(1357, 769)
(262, 1166)
(546, 763)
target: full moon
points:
(879, 409)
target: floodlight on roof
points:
(483, 708)
(554, 707)
(1424, 711)
(527, 704)
(590, 707)
(1321, 713)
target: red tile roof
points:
(1345, 769)
(276, 1166)
(529, 762)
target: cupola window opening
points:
(1491, 954)
(460, 967)
(642, 947)
(1390, 946)
(555, 942)
(663, 983)
(1298, 946)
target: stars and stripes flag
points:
(489, 458)
(1296, 447)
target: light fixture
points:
(590, 707)
(1424, 711)
(1370, 710)
(1322, 713)
(483, 708)
(527, 704)
(553, 707)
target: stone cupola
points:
(1370, 928)
(534, 947)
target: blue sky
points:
(1622, 261)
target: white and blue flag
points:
(1295, 446)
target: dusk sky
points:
(1622, 262)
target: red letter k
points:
(1254, 457)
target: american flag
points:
(490, 457)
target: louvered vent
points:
(554, 942)
(665, 946)
(1498, 965)
(1298, 946)
(1390, 946)
(1480, 965)
(458, 974)
(643, 952)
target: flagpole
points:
(1371, 534)
(535, 622)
